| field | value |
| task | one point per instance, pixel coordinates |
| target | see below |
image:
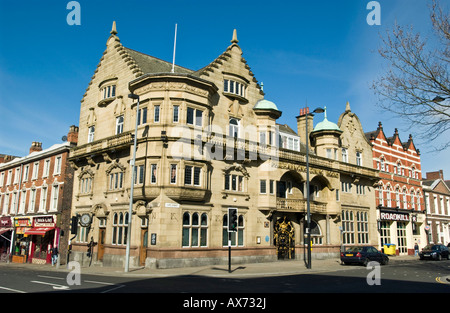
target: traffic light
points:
(74, 225)
(232, 219)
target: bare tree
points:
(416, 86)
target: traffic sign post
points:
(232, 227)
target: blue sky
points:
(322, 52)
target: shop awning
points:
(4, 230)
(38, 230)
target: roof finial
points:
(347, 107)
(113, 30)
(234, 40)
(325, 113)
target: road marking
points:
(14, 290)
(52, 277)
(98, 282)
(119, 286)
(55, 286)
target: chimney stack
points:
(302, 119)
(36, 147)
(435, 175)
(72, 135)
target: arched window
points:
(195, 230)
(120, 228)
(388, 195)
(316, 233)
(234, 128)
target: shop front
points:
(21, 241)
(34, 238)
(44, 236)
(401, 228)
(5, 237)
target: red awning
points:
(38, 230)
(4, 230)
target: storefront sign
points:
(390, 216)
(44, 221)
(5, 221)
(22, 222)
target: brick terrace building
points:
(399, 195)
(35, 201)
(437, 202)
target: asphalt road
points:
(405, 277)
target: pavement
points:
(265, 269)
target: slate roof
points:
(150, 64)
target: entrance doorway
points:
(284, 237)
(143, 248)
(101, 244)
(401, 238)
(281, 189)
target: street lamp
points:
(308, 211)
(130, 212)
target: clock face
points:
(85, 219)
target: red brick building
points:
(399, 195)
(437, 203)
(35, 202)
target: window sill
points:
(236, 96)
(106, 101)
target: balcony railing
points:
(299, 205)
(124, 139)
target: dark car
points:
(363, 255)
(434, 252)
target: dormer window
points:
(108, 91)
(234, 87)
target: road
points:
(405, 277)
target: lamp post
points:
(130, 212)
(308, 211)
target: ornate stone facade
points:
(207, 140)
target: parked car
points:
(434, 252)
(363, 255)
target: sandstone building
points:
(208, 140)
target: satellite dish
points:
(64, 138)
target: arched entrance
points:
(284, 238)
